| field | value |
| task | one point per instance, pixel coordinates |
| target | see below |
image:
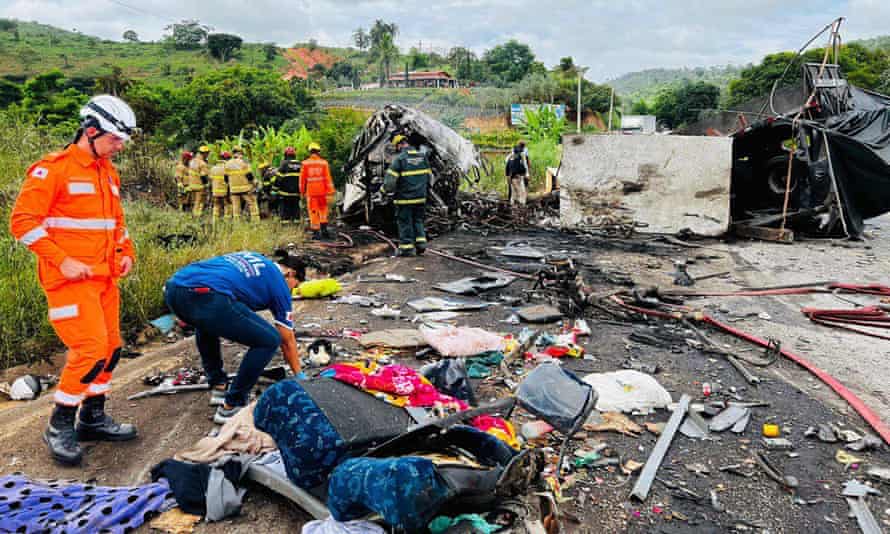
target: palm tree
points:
(387, 52)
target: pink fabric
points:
(395, 380)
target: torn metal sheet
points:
(742, 424)
(855, 493)
(539, 313)
(476, 284)
(521, 249)
(694, 427)
(728, 418)
(431, 304)
(659, 184)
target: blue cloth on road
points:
(407, 492)
(52, 506)
(310, 446)
(248, 277)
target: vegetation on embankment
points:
(25, 333)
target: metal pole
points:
(578, 108)
(611, 106)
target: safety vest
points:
(218, 185)
(197, 168)
(408, 177)
(287, 181)
(69, 206)
(315, 177)
(237, 170)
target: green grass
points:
(42, 48)
(25, 334)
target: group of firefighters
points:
(232, 186)
(69, 214)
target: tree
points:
(131, 36)
(417, 59)
(537, 88)
(379, 30)
(682, 104)
(223, 46)
(510, 62)
(361, 39)
(221, 103)
(270, 51)
(8, 25)
(567, 66)
(114, 83)
(46, 98)
(640, 107)
(884, 86)
(465, 64)
(10, 93)
(187, 34)
(387, 52)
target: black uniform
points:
(287, 189)
(408, 178)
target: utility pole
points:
(611, 107)
(581, 72)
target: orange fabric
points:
(318, 211)
(315, 177)
(70, 205)
(85, 317)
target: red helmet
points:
(187, 155)
(289, 151)
(226, 154)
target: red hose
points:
(854, 401)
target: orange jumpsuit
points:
(69, 206)
(315, 186)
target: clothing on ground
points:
(210, 491)
(479, 525)
(461, 341)
(32, 506)
(332, 526)
(395, 384)
(407, 492)
(310, 446)
(239, 435)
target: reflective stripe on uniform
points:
(32, 236)
(392, 172)
(125, 236)
(68, 400)
(63, 312)
(79, 224)
(81, 188)
(416, 173)
(98, 389)
(402, 202)
(407, 246)
(420, 240)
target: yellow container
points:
(771, 431)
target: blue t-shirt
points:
(248, 277)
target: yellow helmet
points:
(204, 149)
(396, 139)
(314, 147)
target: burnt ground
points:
(599, 497)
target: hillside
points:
(645, 84)
(876, 43)
(41, 48)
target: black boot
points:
(95, 425)
(324, 231)
(61, 438)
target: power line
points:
(142, 11)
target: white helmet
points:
(112, 114)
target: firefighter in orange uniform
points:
(69, 214)
(316, 186)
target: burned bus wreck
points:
(820, 170)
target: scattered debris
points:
(855, 493)
(477, 284)
(728, 418)
(539, 313)
(628, 391)
(612, 422)
(647, 476)
(431, 304)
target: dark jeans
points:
(409, 218)
(215, 315)
(289, 208)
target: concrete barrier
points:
(659, 183)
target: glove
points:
(377, 198)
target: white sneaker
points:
(223, 415)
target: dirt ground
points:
(599, 497)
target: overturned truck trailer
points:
(452, 158)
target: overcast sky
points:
(611, 37)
